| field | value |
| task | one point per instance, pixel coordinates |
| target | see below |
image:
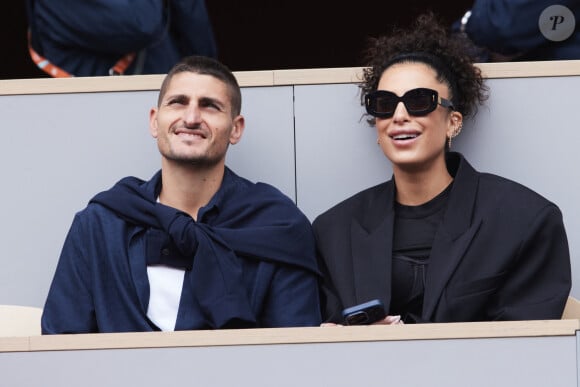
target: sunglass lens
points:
(385, 104)
(420, 101)
(382, 103)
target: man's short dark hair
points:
(206, 66)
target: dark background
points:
(264, 34)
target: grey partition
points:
(58, 150)
(336, 150)
(475, 362)
(311, 141)
(527, 131)
(266, 151)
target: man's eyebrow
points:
(176, 97)
(210, 100)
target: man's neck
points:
(188, 188)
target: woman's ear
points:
(456, 123)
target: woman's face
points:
(414, 143)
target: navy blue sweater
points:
(249, 261)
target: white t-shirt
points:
(165, 286)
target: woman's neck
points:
(418, 187)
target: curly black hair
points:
(428, 41)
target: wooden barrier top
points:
(266, 78)
(264, 336)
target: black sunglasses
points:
(418, 102)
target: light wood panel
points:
(266, 78)
(294, 335)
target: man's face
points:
(193, 123)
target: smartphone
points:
(364, 314)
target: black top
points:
(414, 232)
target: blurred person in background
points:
(522, 30)
(114, 37)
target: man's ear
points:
(237, 129)
(153, 125)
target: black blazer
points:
(501, 252)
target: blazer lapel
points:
(454, 235)
(372, 246)
(446, 254)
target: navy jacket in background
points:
(512, 28)
(86, 38)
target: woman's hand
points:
(389, 320)
(330, 324)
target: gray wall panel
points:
(58, 150)
(525, 361)
(336, 150)
(266, 151)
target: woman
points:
(439, 242)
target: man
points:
(195, 247)
(112, 37)
(528, 30)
